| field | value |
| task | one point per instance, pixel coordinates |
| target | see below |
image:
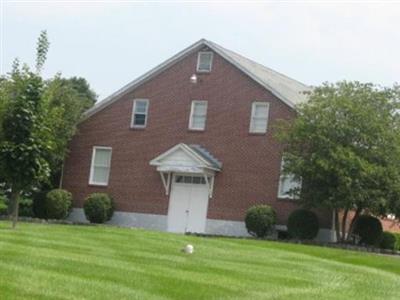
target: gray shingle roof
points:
(206, 155)
(285, 88)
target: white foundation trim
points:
(159, 222)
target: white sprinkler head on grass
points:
(188, 249)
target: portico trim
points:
(187, 159)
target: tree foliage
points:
(65, 101)
(41, 51)
(25, 137)
(37, 120)
(344, 145)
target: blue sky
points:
(110, 43)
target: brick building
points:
(189, 146)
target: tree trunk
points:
(15, 206)
(353, 221)
(344, 222)
(61, 176)
(337, 227)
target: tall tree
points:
(25, 143)
(26, 140)
(344, 146)
(65, 100)
(46, 114)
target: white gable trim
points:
(158, 69)
(185, 148)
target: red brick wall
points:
(251, 163)
(390, 225)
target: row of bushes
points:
(98, 207)
(303, 224)
(260, 220)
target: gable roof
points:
(290, 91)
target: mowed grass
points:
(39, 261)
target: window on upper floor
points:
(140, 113)
(198, 115)
(259, 117)
(287, 184)
(101, 165)
(204, 61)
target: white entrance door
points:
(188, 204)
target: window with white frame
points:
(139, 113)
(101, 164)
(198, 115)
(259, 117)
(204, 61)
(287, 183)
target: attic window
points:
(139, 113)
(204, 61)
(259, 117)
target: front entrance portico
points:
(187, 173)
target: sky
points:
(110, 43)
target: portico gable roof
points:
(187, 159)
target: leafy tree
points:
(66, 100)
(344, 145)
(26, 140)
(59, 105)
(83, 91)
(24, 145)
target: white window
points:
(259, 117)
(287, 183)
(198, 115)
(139, 113)
(100, 168)
(190, 179)
(204, 61)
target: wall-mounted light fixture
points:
(193, 79)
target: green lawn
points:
(84, 262)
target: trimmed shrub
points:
(260, 220)
(369, 229)
(98, 207)
(58, 204)
(388, 241)
(303, 224)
